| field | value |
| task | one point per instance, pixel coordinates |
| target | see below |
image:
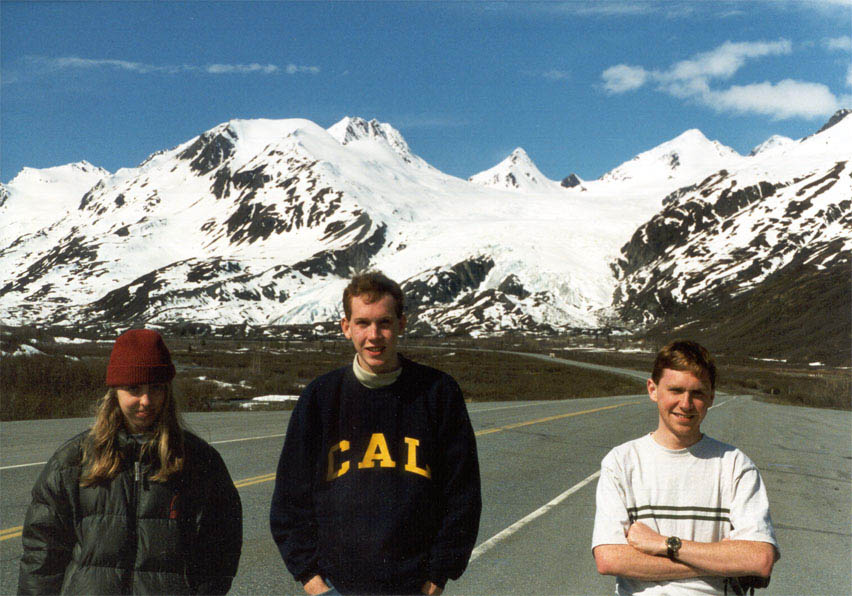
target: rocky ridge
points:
(732, 231)
(258, 223)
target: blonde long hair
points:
(101, 454)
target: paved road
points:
(539, 462)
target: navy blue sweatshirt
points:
(378, 489)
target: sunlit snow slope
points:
(260, 223)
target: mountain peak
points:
(210, 149)
(77, 173)
(693, 139)
(516, 172)
(692, 134)
(271, 235)
(770, 144)
(687, 155)
(85, 166)
(520, 158)
(38, 197)
(352, 129)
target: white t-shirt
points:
(704, 493)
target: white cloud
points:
(726, 60)
(623, 77)
(241, 68)
(830, 7)
(782, 100)
(685, 88)
(293, 69)
(622, 8)
(693, 79)
(843, 43)
(609, 9)
(849, 76)
(73, 62)
(556, 75)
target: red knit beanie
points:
(139, 357)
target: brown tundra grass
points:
(54, 385)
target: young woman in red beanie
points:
(136, 504)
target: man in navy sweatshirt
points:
(377, 490)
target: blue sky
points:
(581, 86)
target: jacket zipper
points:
(137, 492)
(133, 518)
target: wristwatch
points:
(673, 545)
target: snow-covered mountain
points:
(359, 131)
(516, 172)
(684, 159)
(42, 197)
(786, 207)
(773, 143)
(261, 222)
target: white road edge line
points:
(492, 542)
(472, 411)
(38, 463)
(41, 463)
(724, 402)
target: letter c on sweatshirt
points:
(344, 466)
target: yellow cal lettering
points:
(344, 466)
(411, 464)
(377, 450)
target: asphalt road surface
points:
(539, 463)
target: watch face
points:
(673, 544)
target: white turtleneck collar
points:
(373, 380)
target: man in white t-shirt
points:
(677, 511)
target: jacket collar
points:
(130, 445)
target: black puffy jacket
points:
(131, 535)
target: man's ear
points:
(344, 326)
(652, 390)
(402, 322)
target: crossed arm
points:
(644, 557)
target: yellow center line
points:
(254, 480)
(10, 533)
(551, 418)
(16, 531)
